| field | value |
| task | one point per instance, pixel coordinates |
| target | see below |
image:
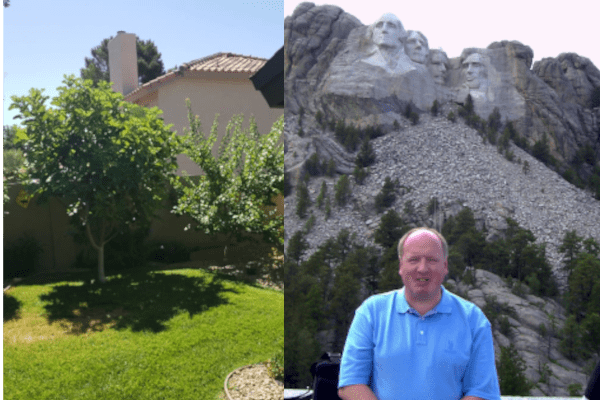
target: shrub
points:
(275, 365)
(575, 389)
(408, 110)
(504, 325)
(330, 170)
(396, 125)
(313, 165)
(435, 108)
(451, 116)
(414, 118)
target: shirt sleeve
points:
(357, 358)
(481, 378)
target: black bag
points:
(326, 374)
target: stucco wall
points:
(211, 94)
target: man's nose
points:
(422, 265)
(442, 67)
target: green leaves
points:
(108, 159)
(241, 178)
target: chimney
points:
(122, 62)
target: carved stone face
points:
(417, 47)
(475, 70)
(437, 67)
(388, 31)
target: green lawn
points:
(142, 335)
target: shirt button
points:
(421, 332)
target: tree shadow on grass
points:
(12, 307)
(141, 301)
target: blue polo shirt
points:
(446, 354)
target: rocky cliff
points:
(338, 66)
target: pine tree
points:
(511, 368)
(322, 194)
(366, 155)
(150, 64)
(390, 230)
(342, 191)
(302, 200)
(571, 345)
(386, 197)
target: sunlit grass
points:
(164, 335)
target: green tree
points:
(107, 159)
(495, 120)
(586, 273)
(571, 344)
(342, 191)
(592, 247)
(390, 230)
(366, 155)
(591, 333)
(570, 247)
(235, 196)
(541, 150)
(322, 194)
(386, 197)
(150, 64)
(296, 247)
(511, 368)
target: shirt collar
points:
(444, 306)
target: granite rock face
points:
(347, 70)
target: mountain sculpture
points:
(350, 71)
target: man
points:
(475, 71)
(387, 36)
(438, 66)
(420, 342)
(417, 47)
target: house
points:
(216, 84)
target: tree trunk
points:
(101, 277)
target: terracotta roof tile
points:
(227, 62)
(219, 62)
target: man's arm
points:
(471, 398)
(357, 392)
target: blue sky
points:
(43, 40)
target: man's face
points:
(423, 266)
(475, 70)
(437, 68)
(417, 48)
(386, 32)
